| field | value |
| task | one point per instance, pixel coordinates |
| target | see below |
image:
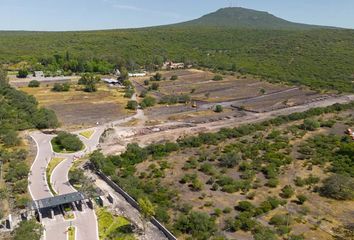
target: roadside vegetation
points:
(71, 233)
(49, 170)
(67, 142)
(87, 134)
(264, 156)
(18, 112)
(28, 230)
(113, 227)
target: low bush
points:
(218, 78)
(338, 187)
(132, 105)
(174, 77)
(34, 84)
(65, 87)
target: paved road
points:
(38, 187)
(85, 221)
(55, 229)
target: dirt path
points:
(143, 137)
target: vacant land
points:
(77, 109)
(234, 93)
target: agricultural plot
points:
(78, 109)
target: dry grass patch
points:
(77, 109)
(87, 134)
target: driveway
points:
(56, 229)
(85, 222)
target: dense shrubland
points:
(318, 58)
(18, 111)
(252, 149)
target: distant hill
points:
(245, 18)
(238, 39)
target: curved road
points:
(85, 222)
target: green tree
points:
(156, 77)
(262, 91)
(146, 207)
(23, 73)
(148, 101)
(67, 141)
(310, 124)
(45, 118)
(287, 192)
(338, 187)
(230, 159)
(65, 87)
(28, 230)
(219, 108)
(124, 74)
(89, 81)
(132, 105)
(301, 198)
(3, 77)
(10, 138)
(146, 82)
(34, 84)
(218, 78)
(199, 225)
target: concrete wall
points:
(132, 202)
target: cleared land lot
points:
(233, 92)
(78, 109)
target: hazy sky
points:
(56, 15)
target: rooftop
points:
(56, 200)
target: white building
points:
(137, 74)
(38, 74)
(172, 66)
(111, 81)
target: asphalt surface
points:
(85, 222)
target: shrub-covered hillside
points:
(320, 58)
(18, 111)
(259, 181)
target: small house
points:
(143, 74)
(38, 74)
(111, 81)
(172, 66)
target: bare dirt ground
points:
(44, 81)
(77, 109)
(172, 130)
(233, 93)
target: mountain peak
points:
(239, 17)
